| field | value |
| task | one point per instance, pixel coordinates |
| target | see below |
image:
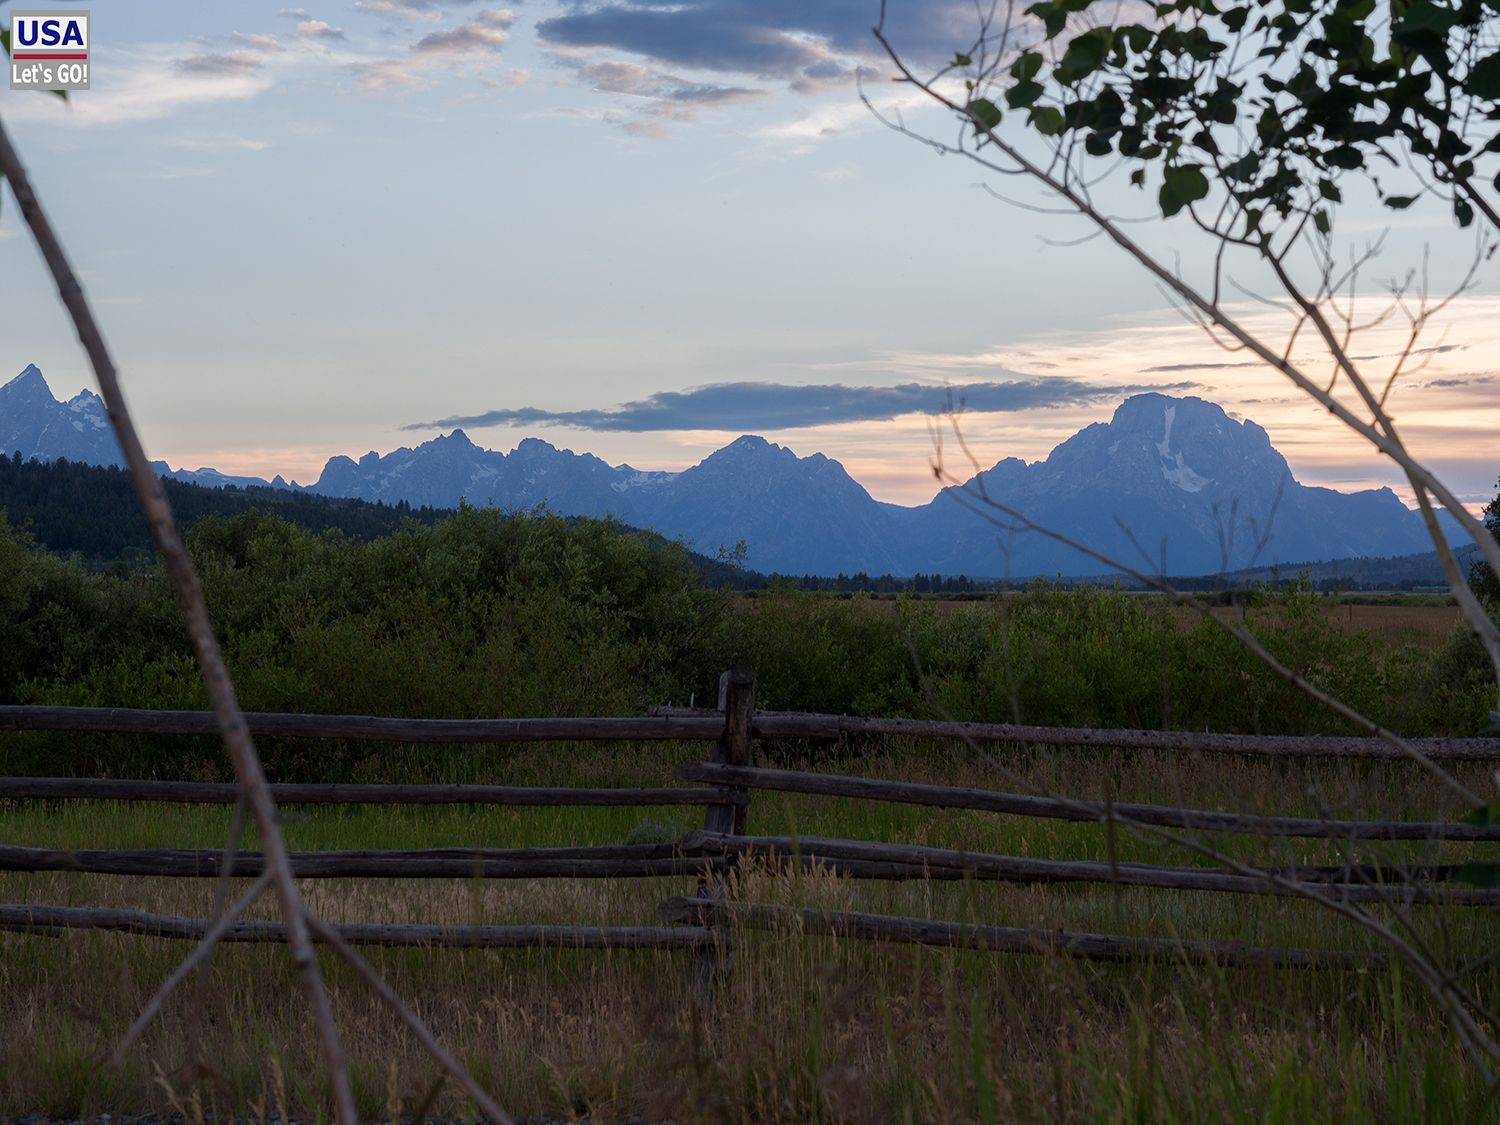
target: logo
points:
(49, 50)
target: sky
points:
(631, 229)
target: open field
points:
(1425, 625)
(1420, 619)
(804, 1028)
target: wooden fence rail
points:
(341, 793)
(1054, 808)
(700, 724)
(1000, 939)
(367, 728)
(705, 921)
(705, 854)
(789, 724)
(915, 861)
(53, 921)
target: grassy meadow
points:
(804, 1027)
(492, 615)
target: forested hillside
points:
(91, 509)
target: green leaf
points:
(1047, 120)
(986, 114)
(1463, 211)
(1097, 144)
(1486, 875)
(5, 42)
(1084, 55)
(1244, 168)
(1180, 186)
(1484, 78)
(1399, 202)
(1138, 177)
(1423, 15)
(1026, 67)
(1138, 37)
(1023, 94)
(1330, 191)
(1345, 156)
(1322, 222)
(961, 59)
(1053, 17)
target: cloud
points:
(319, 29)
(295, 13)
(236, 62)
(218, 142)
(645, 82)
(482, 36)
(1164, 368)
(487, 31)
(405, 9)
(386, 74)
(267, 43)
(809, 46)
(779, 406)
(1462, 381)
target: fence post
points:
(737, 703)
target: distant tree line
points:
(91, 510)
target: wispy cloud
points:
(235, 62)
(218, 142)
(406, 9)
(1168, 368)
(487, 31)
(255, 42)
(482, 36)
(319, 29)
(733, 407)
(647, 82)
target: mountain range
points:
(1168, 484)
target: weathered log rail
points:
(666, 724)
(343, 793)
(366, 728)
(1001, 939)
(54, 921)
(723, 786)
(1053, 808)
(706, 853)
(790, 725)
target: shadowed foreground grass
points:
(804, 1028)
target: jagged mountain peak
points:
(457, 439)
(31, 374)
(36, 425)
(534, 446)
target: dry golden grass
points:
(1424, 625)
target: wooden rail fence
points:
(705, 920)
